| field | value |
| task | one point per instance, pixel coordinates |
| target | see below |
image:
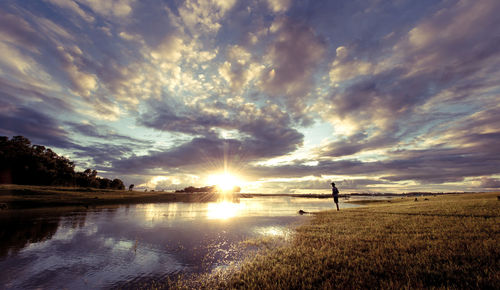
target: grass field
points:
(444, 242)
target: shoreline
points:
(13, 197)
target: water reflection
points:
(223, 210)
(273, 231)
(32, 226)
(116, 247)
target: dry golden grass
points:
(445, 242)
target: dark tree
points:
(104, 182)
(117, 184)
(131, 187)
(23, 163)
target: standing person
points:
(335, 193)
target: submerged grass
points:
(449, 241)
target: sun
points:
(224, 181)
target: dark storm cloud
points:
(35, 125)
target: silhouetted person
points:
(335, 193)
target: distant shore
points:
(27, 196)
(24, 196)
(348, 195)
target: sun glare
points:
(223, 210)
(224, 181)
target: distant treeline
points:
(198, 189)
(212, 188)
(24, 163)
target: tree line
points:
(198, 189)
(27, 164)
(212, 188)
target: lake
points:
(122, 245)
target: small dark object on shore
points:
(301, 212)
(388, 201)
(426, 199)
(498, 197)
(416, 199)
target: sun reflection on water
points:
(223, 210)
(273, 231)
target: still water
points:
(122, 245)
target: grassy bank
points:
(447, 241)
(22, 196)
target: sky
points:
(285, 95)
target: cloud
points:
(426, 166)
(260, 133)
(279, 5)
(454, 36)
(36, 126)
(22, 70)
(18, 31)
(442, 60)
(180, 181)
(202, 17)
(170, 49)
(292, 58)
(73, 6)
(12, 94)
(491, 183)
(203, 154)
(411, 96)
(345, 68)
(117, 8)
(355, 144)
(101, 155)
(91, 129)
(238, 70)
(205, 117)
(83, 83)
